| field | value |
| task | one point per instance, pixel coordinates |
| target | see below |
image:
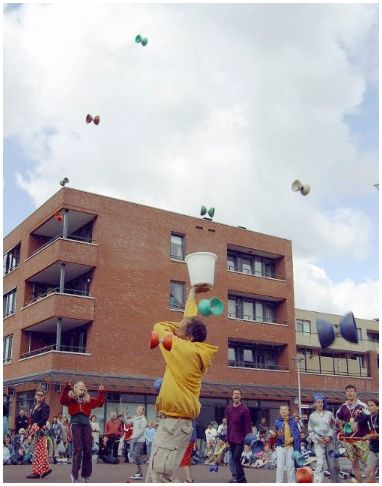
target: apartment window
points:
(231, 262)
(11, 259)
(9, 303)
(177, 295)
(251, 309)
(250, 264)
(303, 326)
(232, 308)
(373, 337)
(248, 310)
(359, 333)
(253, 355)
(177, 246)
(7, 349)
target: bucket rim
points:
(200, 253)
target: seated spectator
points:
(262, 457)
(105, 452)
(196, 457)
(246, 456)
(222, 429)
(12, 454)
(27, 446)
(20, 457)
(211, 434)
(6, 455)
(217, 457)
(19, 439)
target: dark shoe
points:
(46, 473)
(33, 476)
(243, 480)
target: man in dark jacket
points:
(238, 426)
(21, 422)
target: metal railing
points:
(252, 318)
(56, 290)
(257, 366)
(61, 237)
(362, 373)
(256, 273)
(54, 347)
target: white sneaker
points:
(137, 476)
(87, 480)
(73, 479)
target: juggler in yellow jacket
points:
(186, 363)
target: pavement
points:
(120, 473)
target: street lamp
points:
(298, 360)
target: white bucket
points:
(201, 268)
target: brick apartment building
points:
(86, 276)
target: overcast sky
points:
(225, 106)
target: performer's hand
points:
(101, 388)
(200, 288)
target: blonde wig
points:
(75, 392)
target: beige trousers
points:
(170, 443)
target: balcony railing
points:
(56, 290)
(257, 366)
(61, 237)
(256, 273)
(361, 373)
(54, 347)
(251, 318)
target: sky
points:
(225, 106)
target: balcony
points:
(60, 335)
(257, 319)
(67, 225)
(255, 273)
(61, 250)
(253, 366)
(311, 340)
(55, 303)
(54, 347)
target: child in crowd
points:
(246, 456)
(262, 457)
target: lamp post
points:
(298, 360)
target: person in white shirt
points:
(211, 434)
(322, 431)
(222, 429)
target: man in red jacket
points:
(113, 430)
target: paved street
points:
(120, 473)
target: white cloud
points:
(225, 106)
(314, 290)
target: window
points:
(373, 337)
(231, 262)
(303, 326)
(250, 264)
(11, 259)
(251, 309)
(253, 355)
(7, 349)
(9, 303)
(232, 308)
(177, 295)
(248, 310)
(177, 246)
(359, 333)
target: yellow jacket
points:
(186, 363)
